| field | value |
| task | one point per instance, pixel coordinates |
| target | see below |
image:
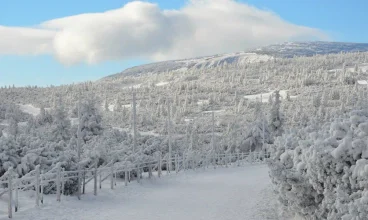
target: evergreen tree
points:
(60, 127)
(275, 117)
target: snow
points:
(30, 109)
(162, 83)
(214, 111)
(236, 193)
(111, 107)
(202, 102)
(240, 58)
(142, 133)
(188, 119)
(265, 96)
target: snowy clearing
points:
(214, 111)
(202, 102)
(265, 96)
(30, 109)
(162, 83)
(143, 133)
(223, 194)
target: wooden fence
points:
(38, 181)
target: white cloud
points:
(143, 30)
(23, 41)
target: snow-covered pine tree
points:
(90, 119)
(60, 127)
(275, 116)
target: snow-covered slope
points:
(30, 109)
(240, 58)
(263, 54)
(291, 49)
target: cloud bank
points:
(143, 30)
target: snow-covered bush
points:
(321, 172)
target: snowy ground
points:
(265, 96)
(30, 109)
(223, 194)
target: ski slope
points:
(236, 193)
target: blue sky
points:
(341, 20)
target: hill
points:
(263, 54)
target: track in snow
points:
(236, 193)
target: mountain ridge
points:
(261, 54)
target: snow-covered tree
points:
(275, 117)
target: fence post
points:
(225, 160)
(115, 177)
(100, 180)
(63, 181)
(112, 176)
(16, 196)
(10, 188)
(84, 182)
(95, 181)
(41, 186)
(58, 192)
(138, 174)
(204, 162)
(231, 159)
(37, 185)
(176, 163)
(126, 177)
(150, 171)
(238, 159)
(159, 170)
(218, 159)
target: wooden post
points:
(115, 177)
(150, 171)
(159, 170)
(41, 186)
(231, 159)
(84, 181)
(112, 177)
(184, 163)
(10, 188)
(204, 162)
(126, 177)
(16, 196)
(58, 192)
(37, 185)
(63, 181)
(95, 181)
(100, 180)
(176, 163)
(238, 159)
(250, 155)
(138, 175)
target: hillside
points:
(263, 54)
